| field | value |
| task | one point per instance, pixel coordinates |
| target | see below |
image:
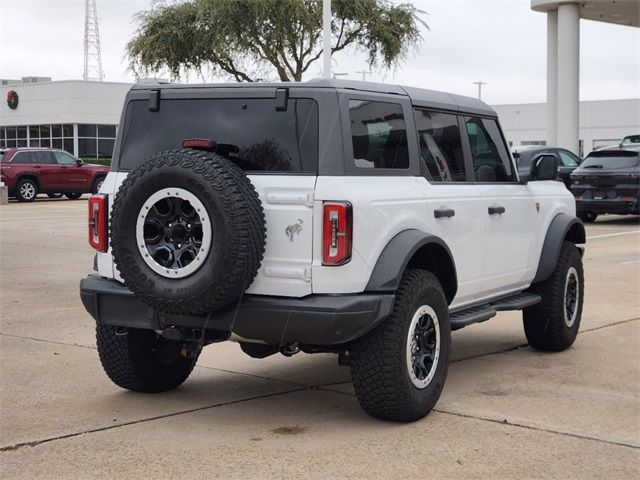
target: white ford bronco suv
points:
(363, 219)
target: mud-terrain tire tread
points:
(378, 368)
(129, 365)
(544, 324)
(245, 221)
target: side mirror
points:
(79, 162)
(544, 167)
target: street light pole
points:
(326, 28)
(480, 84)
(364, 74)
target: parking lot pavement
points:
(507, 411)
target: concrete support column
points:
(552, 78)
(568, 76)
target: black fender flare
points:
(563, 226)
(400, 250)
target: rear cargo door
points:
(287, 201)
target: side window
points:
(490, 158)
(22, 157)
(568, 159)
(378, 134)
(44, 158)
(64, 158)
(440, 145)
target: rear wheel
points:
(399, 368)
(73, 195)
(553, 324)
(97, 184)
(26, 190)
(587, 217)
(143, 361)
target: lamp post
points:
(480, 83)
(326, 28)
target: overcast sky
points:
(501, 42)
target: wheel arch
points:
(563, 227)
(414, 249)
(29, 176)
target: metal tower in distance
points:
(92, 56)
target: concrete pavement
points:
(507, 411)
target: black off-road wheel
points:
(552, 325)
(141, 360)
(26, 190)
(73, 195)
(399, 368)
(187, 232)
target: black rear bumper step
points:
(323, 320)
(482, 313)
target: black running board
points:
(482, 313)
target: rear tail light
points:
(98, 222)
(337, 233)
(198, 143)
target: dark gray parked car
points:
(567, 161)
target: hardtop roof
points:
(419, 96)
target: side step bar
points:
(482, 313)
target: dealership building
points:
(82, 118)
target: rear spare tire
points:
(187, 232)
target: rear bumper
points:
(619, 206)
(322, 320)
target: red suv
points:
(29, 171)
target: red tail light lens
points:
(98, 222)
(198, 143)
(337, 233)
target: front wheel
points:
(553, 324)
(73, 195)
(399, 368)
(587, 217)
(141, 360)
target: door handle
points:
(496, 210)
(443, 213)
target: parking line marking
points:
(630, 262)
(593, 237)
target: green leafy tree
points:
(251, 40)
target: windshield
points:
(610, 160)
(631, 140)
(248, 131)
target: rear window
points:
(606, 160)
(249, 132)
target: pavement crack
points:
(537, 429)
(615, 324)
(79, 345)
(34, 443)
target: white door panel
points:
(287, 201)
(464, 233)
(510, 235)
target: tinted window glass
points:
(64, 158)
(105, 147)
(568, 159)
(22, 157)
(249, 131)
(86, 130)
(44, 157)
(378, 135)
(107, 131)
(607, 160)
(490, 159)
(440, 145)
(87, 147)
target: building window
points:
(534, 143)
(96, 141)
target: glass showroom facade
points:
(81, 140)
